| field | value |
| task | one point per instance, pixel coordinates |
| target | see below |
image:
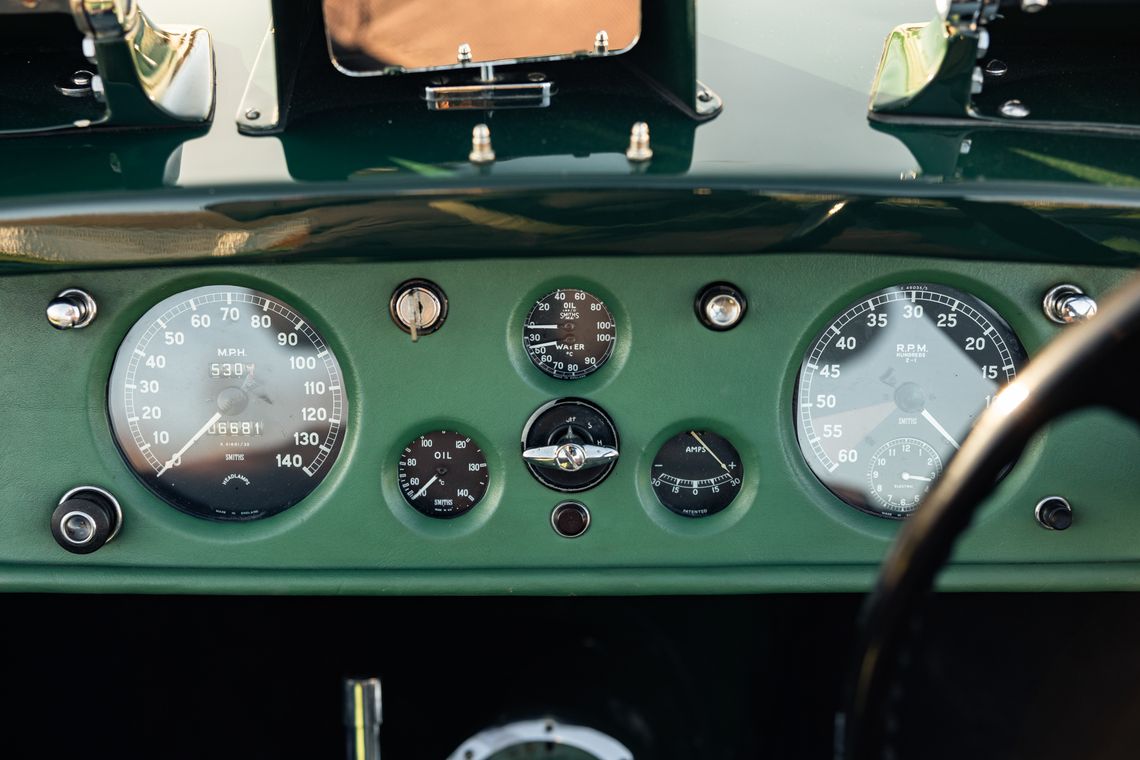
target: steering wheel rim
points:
(1054, 383)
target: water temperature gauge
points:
(442, 474)
(569, 334)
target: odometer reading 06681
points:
(891, 387)
(227, 403)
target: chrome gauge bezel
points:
(989, 322)
(184, 490)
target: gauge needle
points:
(427, 485)
(908, 476)
(926, 415)
(542, 327)
(544, 345)
(170, 462)
(705, 446)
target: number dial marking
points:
(914, 361)
(260, 377)
(442, 474)
(569, 334)
(696, 473)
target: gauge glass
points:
(569, 334)
(442, 474)
(227, 403)
(892, 385)
(901, 473)
(696, 473)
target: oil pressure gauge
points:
(696, 473)
(569, 334)
(442, 474)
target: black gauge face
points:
(442, 474)
(569, 334)
(696, 473)
(890, 388)
(227, 403)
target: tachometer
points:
(892, 385)
(227, 403)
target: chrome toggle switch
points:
(71, 309)
(1067, 304)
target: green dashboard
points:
(668, 373)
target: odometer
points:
(227, 403)
(892, 385)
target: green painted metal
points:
(790, 193)
(355, 533)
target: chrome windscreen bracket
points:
(122, 71)
(1047, 65)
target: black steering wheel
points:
(1056, 382)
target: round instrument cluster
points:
(229, 405)
(696, 473)
(891, 386)
(569, 334)
(442, 474)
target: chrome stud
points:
(639, 149)
(481, 150)
(1014, 109)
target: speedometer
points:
(892, 385)
(227, 403)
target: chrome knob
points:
(85, 519)
(1067, 304)
(1054, 513)
(570, 457)
(720, 306)
(71, 309)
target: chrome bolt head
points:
(463, 53)
(481, 150)
(723, 310)
(1033, 6)
(996, 68)
(601, 42)
(1014, 109)
(639, 149)
(570, 457)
